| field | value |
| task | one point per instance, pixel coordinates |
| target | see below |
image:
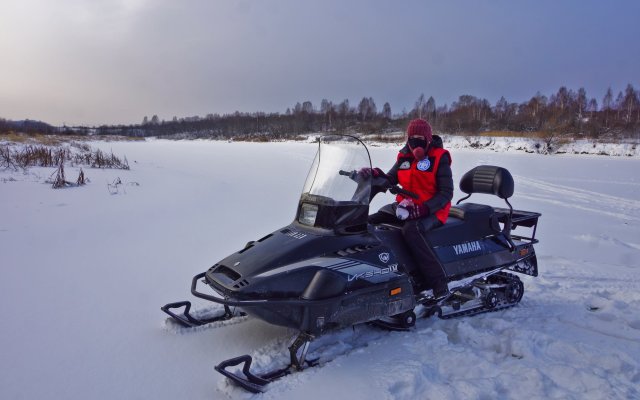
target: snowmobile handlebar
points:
(394, 189)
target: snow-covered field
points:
(85, 271)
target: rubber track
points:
(501, 306)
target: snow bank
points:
(536, 146)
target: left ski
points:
(187, 320)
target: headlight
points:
(308, 214)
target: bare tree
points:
(386, 111)
(419, 107)
(607, 102)
(630, 102)
(430, 109)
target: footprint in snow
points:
(597, 302)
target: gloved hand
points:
(367, 172)
(407, 209)
(418, 211)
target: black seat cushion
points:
(471, 211)
(466, 222)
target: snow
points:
(85, 271)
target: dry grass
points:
(51, 156)
(58, 140)
(534, 135)
(13, 137)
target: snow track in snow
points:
(598, 239)
(587, 200)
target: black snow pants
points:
(414, 235)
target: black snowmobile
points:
(329, 268)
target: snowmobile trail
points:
(496, 348)
(598, 239)
(587, 200)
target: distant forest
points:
(566, 112)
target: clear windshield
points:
(333, 174)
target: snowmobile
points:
(330, 268)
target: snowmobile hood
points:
(283, 251)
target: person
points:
(423, 167)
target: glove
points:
(407, 209)
(418, 211)
(367, 172)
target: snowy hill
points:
(86, 269)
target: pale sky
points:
(115, 61)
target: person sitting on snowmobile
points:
(424, 168)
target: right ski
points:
(257, 383)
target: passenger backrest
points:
(488, 179)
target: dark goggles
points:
(417, 142)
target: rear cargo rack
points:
(527, 219)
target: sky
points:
(95, 62)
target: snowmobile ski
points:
(187, 320)
(257, 383)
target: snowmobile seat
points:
(466, 222)
(471, 212)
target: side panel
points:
(366, 292)
(482, 255)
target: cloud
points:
(113, 61)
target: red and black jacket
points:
(430, 178)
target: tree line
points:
(564, 112)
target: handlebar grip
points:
(353, 175)
(410, 194)
(396, 190)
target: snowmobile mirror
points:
(308, 214)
